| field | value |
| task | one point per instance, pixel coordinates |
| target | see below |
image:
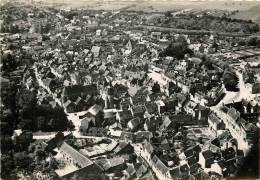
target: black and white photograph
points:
(130, 89)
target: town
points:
(117, 94)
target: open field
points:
(247, 9)
(253, 13)
(151, 5)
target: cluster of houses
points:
(115, 79)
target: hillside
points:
(252, 13)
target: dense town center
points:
(128, 94)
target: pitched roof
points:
(82, 160)
(148, 146)
(214, 119)
(121, 146)
(78, 89)
(67, 103)
(95, 49)
(135, 122)
(233, 113)
(95, 109)
(208, 154)
(124, 115)
(159, 165)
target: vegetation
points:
(230, 81)
(205, 22)
(177, 48)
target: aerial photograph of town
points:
(129, 90)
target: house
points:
(147, 151)
(215, 95)
(133, 124)
(115, 164)
(256, 88)
(138, 111)
(84, 167)
(168, 124)
(4, 82)
(22, 137)
(215, 123)
(55, 141)
(156, 35)
(124, 116)
(151, 108)
(130, 171)
(225, 168)
(206, 158)
(189, 107)
(69, 106)
(184, 119)
(180, 172)
(202, 175)
(86, 122)
(125, 104)
(93, 117)
(143, 135)
(95, 50)
(124, 148)
(138, 100)
(129, 46)
(109, 117)
(74, 91)
(80, 104)
(141, 169)
(98, 32)
(152, 123)
(75, 78)
(73, 156)
(228, 153)
(128, 136)
(160, 167)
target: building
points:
(215, 123)
(95, 50)
(256, 88)
(206, 159)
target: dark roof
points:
(141, 170)
(138, 109)
(159, 165)
(214, 119)
(130, 169)
(77, 90)
(175, 173)
(135, 122)
(201, 176)
(181, 118)
(184, 169)
(208, 154)
(192, 160)
(125, 115)
(121, 146)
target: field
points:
(247, 9)
(253, 13)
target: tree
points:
(252, 41)
(177, 48)
(22, 160)
(230, 81)
(7, 166)
(168, 14)
(156, 88)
